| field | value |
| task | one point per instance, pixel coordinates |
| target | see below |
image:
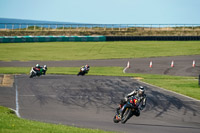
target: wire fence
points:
(113, 27)
(101, 29)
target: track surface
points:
(161, 65)
(90, 102)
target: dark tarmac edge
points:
(96, 62)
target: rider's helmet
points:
(86, 66)
(141, 90)
(37, 66)
(45, 66)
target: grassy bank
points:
(10, 123)
(95, 50)
(184, 85)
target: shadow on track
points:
(105, 94)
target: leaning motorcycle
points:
(34, 73)
(128, 110)
(82, 72)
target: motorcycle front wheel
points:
(32, 75)
(126, 115)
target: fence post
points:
(20, 27)
(199, 80)
(12, 26)
(175, 27)
(27, 27)
(135, 26)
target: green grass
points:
(95, 50)
(92, 50)
(10, 123)
(184, 85)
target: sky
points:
(104, 11)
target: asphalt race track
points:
(90, 102)
(161, 65)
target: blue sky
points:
(104, 11)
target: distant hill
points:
(25, 21)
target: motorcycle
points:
(127, 111)
(38, 72)
(82, 71)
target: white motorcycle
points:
(38, 71)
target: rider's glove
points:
(126, 99)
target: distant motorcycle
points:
(82, 71)
(38, 71)
(128, 110)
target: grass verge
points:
(183, 85)
(10, 123)
(95, 50)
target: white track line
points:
(124, 71)
(169, 91)
(17, 102)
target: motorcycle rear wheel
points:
(115, 120)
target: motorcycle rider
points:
(140, 94)
(37, 69)
(87, 68)
(40, 69)
(44, 69)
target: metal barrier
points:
(15, 39)
(152, 38)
